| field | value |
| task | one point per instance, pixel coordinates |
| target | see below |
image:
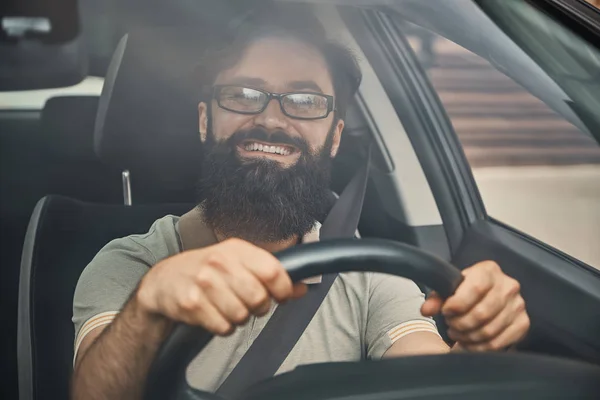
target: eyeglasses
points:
(298, 105)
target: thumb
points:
(432, 306)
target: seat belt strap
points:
(289, 321)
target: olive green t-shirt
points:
(361, 316)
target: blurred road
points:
(557, 205)
(535, 171)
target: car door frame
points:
(578, 15)
(562, 293)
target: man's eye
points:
(308, 102)
(242, 97)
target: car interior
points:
(84, 170)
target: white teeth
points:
(267, 149)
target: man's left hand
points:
(486, 312)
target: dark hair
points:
(285, 22)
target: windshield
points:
(466, 115)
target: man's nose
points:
(272, 117)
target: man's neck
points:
(271, 247)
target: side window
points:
(535, 171)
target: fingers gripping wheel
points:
(166, 378)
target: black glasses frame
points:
(270, 96)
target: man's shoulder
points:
(124, 261)
(159, 242)
(109, 279)
(352, 284)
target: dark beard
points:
(258, 200)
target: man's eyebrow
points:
(311, 85)
(259, 82)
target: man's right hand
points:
(217, 287)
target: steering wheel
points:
(461, 376)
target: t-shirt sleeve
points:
(106, 284)
(394, 311)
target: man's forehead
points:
(279, 65)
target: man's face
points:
(261, 196)
(277, 66)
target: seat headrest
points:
(147, 119)
(67, 126)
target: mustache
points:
(263, 135)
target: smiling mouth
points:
(257, 147)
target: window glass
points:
(535, 170)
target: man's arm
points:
(217, 287)
(113, 360)
(417, 343)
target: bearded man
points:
(270, 128)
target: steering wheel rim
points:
(166, 377)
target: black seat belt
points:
(288, 322)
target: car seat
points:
(64, 234)
(53, 154)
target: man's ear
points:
(337, 137)
(202, 120)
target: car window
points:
(535, 171)
(35, 99)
